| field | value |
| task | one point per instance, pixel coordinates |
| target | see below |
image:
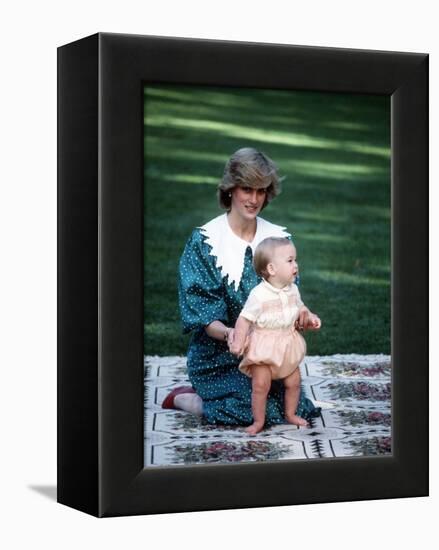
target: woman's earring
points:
(230, 194)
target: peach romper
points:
(273, 340)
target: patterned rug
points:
(353, 391)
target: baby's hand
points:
(236, 350)
(314, 322)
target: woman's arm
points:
(240, 336)
(200, 289)
(218, 331)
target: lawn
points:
(334, 153)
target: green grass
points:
(334, 152)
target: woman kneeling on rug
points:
(216, 276)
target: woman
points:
(216, 277)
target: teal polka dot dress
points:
(205, 295)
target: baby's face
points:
(285, 266)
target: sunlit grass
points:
(190, 178)
(320, 217)
(346, 125)
(324, 238)
(336, 170)
(348, 278)
(155, 149)
(266, 136)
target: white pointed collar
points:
(229, 249)
(285, 288)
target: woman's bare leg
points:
(261, 383)
(292, 394)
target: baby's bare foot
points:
(254, 428)
(296, 420)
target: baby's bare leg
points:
(261, 383)
(292, 393)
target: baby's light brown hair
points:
(264, 253)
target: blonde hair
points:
(248, 167)
(264, 253)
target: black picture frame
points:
(100, 274)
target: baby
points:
(265, 332)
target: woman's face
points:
(247, 201)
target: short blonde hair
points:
(248, 167)
(264, 253)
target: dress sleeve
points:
(252, 308)
(200, 288)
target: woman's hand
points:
(238, 336)
(303, 319)
(234, 346)
(234, 350)
(230, 335)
